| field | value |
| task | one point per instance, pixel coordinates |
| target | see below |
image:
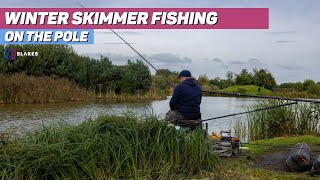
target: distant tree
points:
(170, 75)
(159, 82)
(244, 78)
(314, 89)
(136, 78)
(263, 78)
(104, 72)
(230, 79)
(77, 69)
(298, 86)
(216, 82)
(203, 80)
(115, 82)
(166, 72)
(307, 83)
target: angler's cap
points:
(184, 73)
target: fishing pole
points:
(143, 58)
(256, 110)
(263, 96)
(216, 92)
(138, 54)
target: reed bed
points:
(120, 147)
(299, 119)
(21, 88)
(151, 94)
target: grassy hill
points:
(247, 89)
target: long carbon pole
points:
(256, 110)
(143, 58)
(138, 53)
(264, 97)
(215, 92)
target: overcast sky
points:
(290, 48)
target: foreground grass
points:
(247, 89)
(121, 147)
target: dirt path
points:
(275, 159)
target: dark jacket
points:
(186, 98)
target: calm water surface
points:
(16, 118)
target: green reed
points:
(299, 119)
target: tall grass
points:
(295, 94)
(121, 147)
(151, 94)
(21, 88)
(299, 119)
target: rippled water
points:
(18, 118)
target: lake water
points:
(17, 118)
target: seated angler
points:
(185, 102)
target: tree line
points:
(100, 75)
(259, 77)
(308, 85)
(89, 73)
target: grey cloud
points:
(283, 32)
(237, 63)
(168, 58)
(164, 59)
(251, 63)
(255, 62)
(286, 41)
(224, 66)
(187, 60)
(115, 58)
(290, 67)
(217, 60)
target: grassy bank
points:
(121, 147)
(247, 89)
(252, 89)
(268, 145)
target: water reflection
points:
(20, 118)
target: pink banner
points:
(134, 18)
